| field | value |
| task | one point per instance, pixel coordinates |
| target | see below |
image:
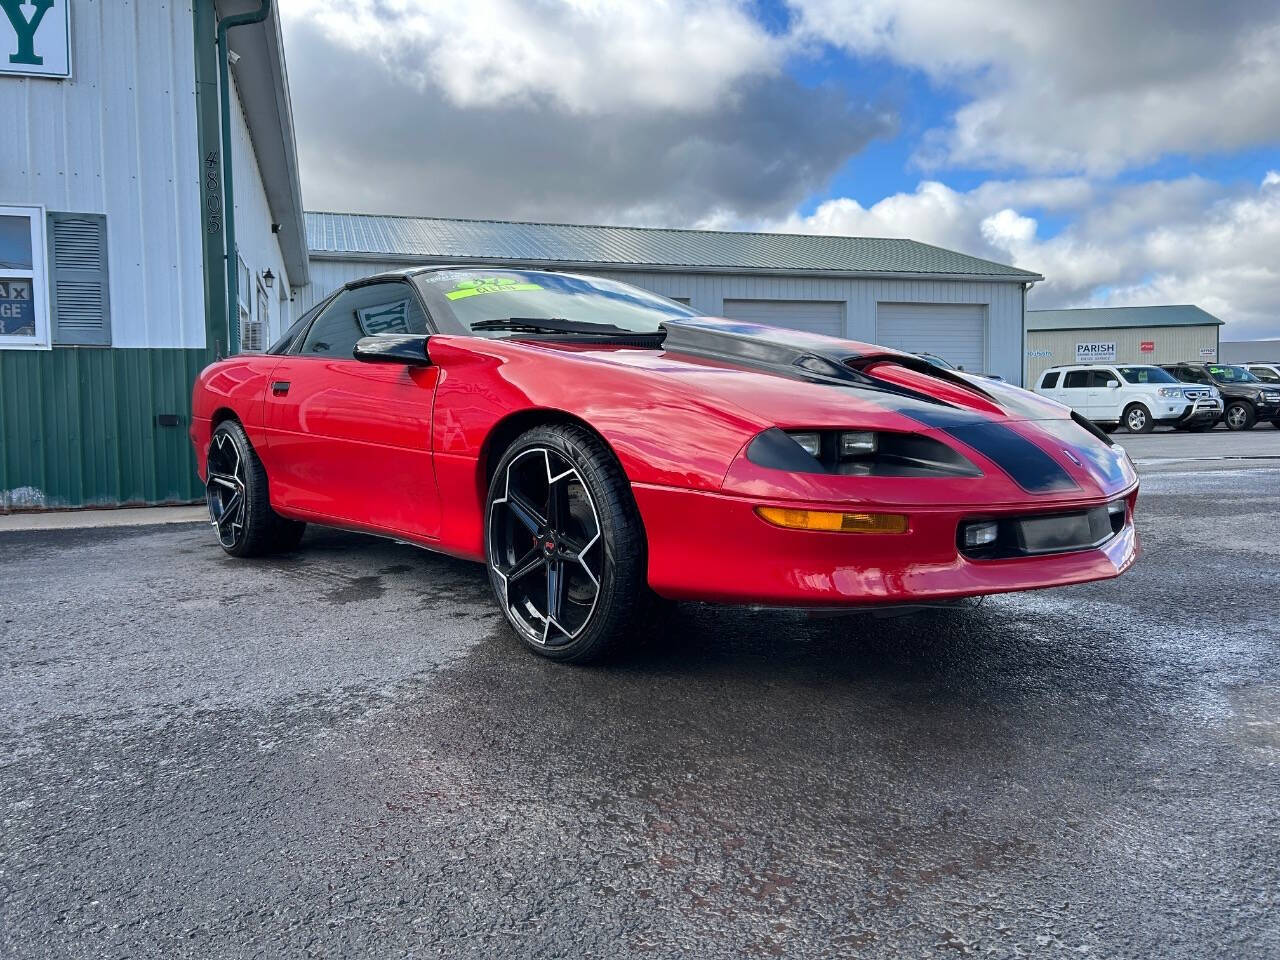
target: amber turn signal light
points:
(833, 521)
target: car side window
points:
(1077, 379)
(1102, 377)
(1050, 380)
(364, 311)
(1265, 374)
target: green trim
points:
(78, 427)
(209, 176)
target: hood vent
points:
(799, 356)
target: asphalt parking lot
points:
(342, 752)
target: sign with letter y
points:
(35, 38)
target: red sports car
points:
(594, 444)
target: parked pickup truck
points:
(1248, 400)
(1135, 396)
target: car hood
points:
(795, 380)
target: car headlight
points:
(1176, 393)
(844, 443)
(858, 453)
(1271, 397)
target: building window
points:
(24, 308)
(79, 291)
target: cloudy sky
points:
(1129, 150)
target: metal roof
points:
(429, 239)
(1086, 318)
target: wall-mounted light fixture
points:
(268, 278)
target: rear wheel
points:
(1240, 416)
(564, 544)
(236, 492)
(1137, 419)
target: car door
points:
(351, 441)
(1105, 401)
(1077, 391)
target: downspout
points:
(228, 191)
(1025, 359)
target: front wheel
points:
(1239, 416)
(1138, 419)
(564, 544)
(236, 493)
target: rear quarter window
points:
(1050, 380)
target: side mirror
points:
(1113, 384)
(410, 349)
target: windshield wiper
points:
(561, 325)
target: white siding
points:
(258, 246)
(957, 332)
(119, 139)
(1003, 302)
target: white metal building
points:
(1159, 334)
(114, 233)
(899, 293)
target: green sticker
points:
(473, 288)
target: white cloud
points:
(584, 56)
(1076, 85)
(1182, 241)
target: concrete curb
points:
(85, 519)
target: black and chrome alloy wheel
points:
(544, 532)
(225, 489)
(236, 492)
(564, 543)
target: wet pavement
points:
(342, 752)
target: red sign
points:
(1148, 346)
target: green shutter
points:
(79, 298)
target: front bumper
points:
(1267, 412)
(1181, 413)
(713, 547)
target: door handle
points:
(280, 387)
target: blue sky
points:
(1128, 151)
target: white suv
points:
(1137, 397)
(1266, 372)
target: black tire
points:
(561, 520)
(236, 492)
(1137, 419)
(1109, 427)
(1201, 427)
(1239, 416)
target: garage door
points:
(816, 316)
(957, 332)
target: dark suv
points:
(1246, 399)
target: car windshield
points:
(493, 303)
(1145, 375)
(1229, 373)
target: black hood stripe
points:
(1025, 463)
